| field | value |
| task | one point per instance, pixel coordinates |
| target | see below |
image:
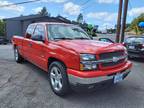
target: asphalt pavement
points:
(26, 86)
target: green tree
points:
(135, 23)
(128, 25)
(2, 28)
(44, 12)
(80, 18)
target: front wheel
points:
(58, 78)
(17, 56)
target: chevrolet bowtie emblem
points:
(115, 59)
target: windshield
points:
(59, 31)
(135, 40)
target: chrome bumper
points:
(78, 80)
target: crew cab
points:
(71, 58)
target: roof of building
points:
(58, 23)
(29, 17)
(25, 17)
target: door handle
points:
(30, 44)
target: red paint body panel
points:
(98, 73)
(67, 51)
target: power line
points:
(130, 5)
(82, 4)
(19, 3)
(85, 8)
(85, 3)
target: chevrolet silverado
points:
(71, 57)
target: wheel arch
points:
(52, 59)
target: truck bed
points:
(17, 40)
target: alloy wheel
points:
(56, 78)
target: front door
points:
(27, 42)
(37, 48)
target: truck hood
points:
(89, 46)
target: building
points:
(18, 25)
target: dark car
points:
(3, 40)
(135, 46)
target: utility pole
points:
(119, 21)
(124, 20)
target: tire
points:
(130, 57)
(17, 56)
(58, 78)
(5, 43)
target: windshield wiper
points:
(63, 38)
(82, 38)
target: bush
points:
(2, 28)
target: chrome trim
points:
(78, 80)
(110, 60)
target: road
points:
(26, 86)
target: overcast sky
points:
(99, 12)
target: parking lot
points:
(26, 86)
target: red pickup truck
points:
(71, 58)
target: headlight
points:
(87, 62)
(85, 57)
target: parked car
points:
(3, 40)
(71, 58)
(135, 46)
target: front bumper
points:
(78, 80)
(92, 78)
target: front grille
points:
(110, 55)
(112, 63)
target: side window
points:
(39, 32)
(30, 30)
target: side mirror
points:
(28, 35)
(106, 40)
(38, 38)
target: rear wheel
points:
(18, 57)
(130, 57)
(58, 78)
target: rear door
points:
(27, 42)
(37, 47)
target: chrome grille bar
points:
(110, 60)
